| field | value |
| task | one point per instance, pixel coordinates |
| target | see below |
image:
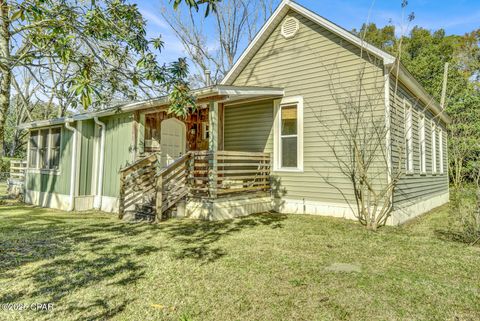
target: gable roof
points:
(388, 60)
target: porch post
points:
(213, 148)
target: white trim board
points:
(49, 200)
(342, 210)
(110, 204)
(277, 104)
(406, 212)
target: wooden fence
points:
(16, 180)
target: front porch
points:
(181, 163)
(201, 184)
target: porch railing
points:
(201, 174)
(172, 184)
(226, 173)
(137, 182)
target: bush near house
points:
(269, 266)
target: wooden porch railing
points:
(172, 184)
(137, 181)
(204, 174)
(226, 173)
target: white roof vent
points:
(290, 27)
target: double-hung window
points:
(434, 148)
(288, 137)
(408, 137)
(422, 150)
(44, 149)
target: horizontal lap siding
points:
(249, 127)
(322, 68)
(119, 148)
(55, 182)
(416, 186)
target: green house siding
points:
(119, 147)
(323, 68)
(415, 186)
(249, 127)
(87, 142)
(56, 181)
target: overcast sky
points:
(456, 16)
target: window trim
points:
(440, 149)
(37, 168)
(434, 147)
(422, 145)
(277, 161)
(408, 121)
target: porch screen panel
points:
(33, 149)
(289, 136)
(44, 142)
(55, 148)
(152, 132)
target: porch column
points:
(213, 126)
(213, 148)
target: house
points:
(256, 142)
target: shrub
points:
(464, 212)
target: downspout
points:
(73, 175)
(98, 195)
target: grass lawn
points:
(264, 267)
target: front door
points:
(172, 140)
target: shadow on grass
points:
(198, 237)
(76, 251)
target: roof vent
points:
(290, 27)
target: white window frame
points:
(408, 113)
(440, 149)
(40, 142)
(277, 148)
(434, 147)
(422, 145)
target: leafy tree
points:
(425, 53)
(98, 50)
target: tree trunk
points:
(5, 69)
(5, 84)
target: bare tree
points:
(234, 24)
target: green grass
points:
(263, 267)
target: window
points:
(288, 138)
(44, 149)
(152, 132)
(434, 148)
(440, 147)
(205, 131)
(408, 137)
(54, 159)
(33, 149)
(421, 136)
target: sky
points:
(455, 16)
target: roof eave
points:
(412, 84)
(206, 92)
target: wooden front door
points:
(172, 140)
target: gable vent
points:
(290, 27)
